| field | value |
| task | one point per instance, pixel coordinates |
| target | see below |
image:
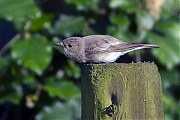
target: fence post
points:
(121, 91)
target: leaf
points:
(169, 8)
(39, 22)
(29, 80)
(169, 104)
(72, 70)
(145, 20)
(124, 4)
(64, 90)
(61, 111)
(168, 53)
(117, 33)
(11, 97)
(67, 25)
(121, 21)
(171, 28)
(33, 53)
(168, 117)
(10, 89)
(3, 63)
(84, 4)
(169, 78)
(18, 10)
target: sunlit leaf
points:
(145, 20)
(169, 51)
(168, 117)
(169, 8)
(18, 9)
(61, 111)
(34, 53)
(121, 21)
(171, 29)
(64, 90)
(68, 25)
(117, 33)
(84, 4)
(38, 23)
(124, 4)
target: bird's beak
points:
(59, 44)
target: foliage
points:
(38, 81)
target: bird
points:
(98, 48)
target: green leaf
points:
(72, 70)
(11, 97)
(170, 7)
(121, 21)
(127, 5)
(171, 29)
(84, 4)
(29, 80)
(169, 78)
(61, 111)
(3, 63)
(67, 25)
(145, 20)
(117, 33)
(64, 90)
(169, 104)
(38, 23)
(168, 117)
(18, 10)
(10, 89)
(168, 53)
(34, 53)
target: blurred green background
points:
(38, 82)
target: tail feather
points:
(131, 47)
(149, 45)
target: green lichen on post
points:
(135, 90)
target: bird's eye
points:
(69, 45)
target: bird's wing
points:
(96, 46)
(99, 43)
(127, 47)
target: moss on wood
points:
(134, 89)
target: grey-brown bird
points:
(98, 48)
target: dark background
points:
(38, 82)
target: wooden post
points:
(121, 91)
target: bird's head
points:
(68, 42)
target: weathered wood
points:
(133, 89)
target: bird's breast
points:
(109, 57)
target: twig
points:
(38, 91)
(10, 43)
(138, 56)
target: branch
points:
(12, 41)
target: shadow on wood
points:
(121, 91)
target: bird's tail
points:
(133, 46)
(148, 45)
